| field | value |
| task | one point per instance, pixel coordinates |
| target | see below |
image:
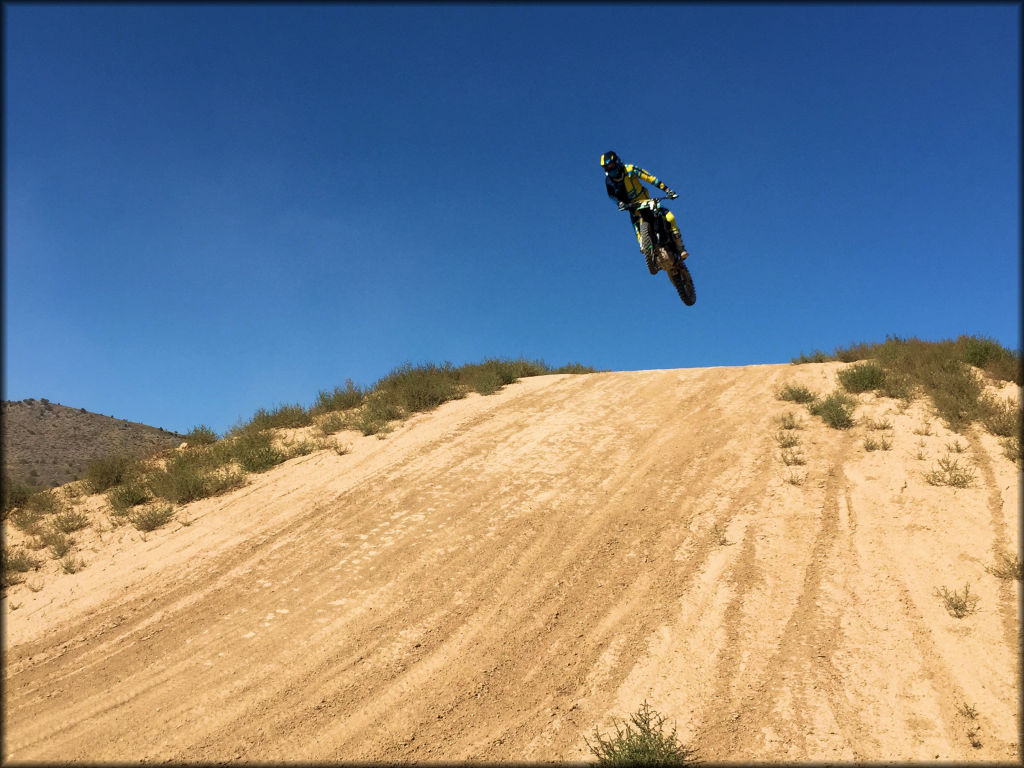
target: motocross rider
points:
(622, 182)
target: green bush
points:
(947, 371)
(862, 377)
(796, 394)
(377, 412)
(332, 422)
(151, 518)
(17, 493)
(103, 474)
(132, 492)
(990, 356)
(407, 389)
(836, 410)
(339, 399)
(17, 562)
(1011, 447)
(640, 741)
(573, 368)
(419, 388)
(58, 543)
(817, 356)
(27, 520)
(281, 417)
(69, 521)
(201, 435)
(255, 451)
(1001, 418)
(192, 475)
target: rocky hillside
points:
(48, 444)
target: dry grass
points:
(153, 517)
(1007, 568)
(959, 604)
(882, 444)
(950, 473)
(791, 457)
(787, 440)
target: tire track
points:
(489, 583)
(1007, 599)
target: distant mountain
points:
(49, 444)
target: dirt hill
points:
(495, 578)
(48, 444)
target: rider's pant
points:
(669, 217)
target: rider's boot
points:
(678, 238)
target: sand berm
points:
(497, 577)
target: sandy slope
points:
(499, 576)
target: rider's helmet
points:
(613, 167)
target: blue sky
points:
(213, 209)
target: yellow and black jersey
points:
(628, 189)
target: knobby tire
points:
(680, 277)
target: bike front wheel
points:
(680, 277)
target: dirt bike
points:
(659, 247)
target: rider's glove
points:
(622, 206)
(672, 195)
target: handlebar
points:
(642, 203)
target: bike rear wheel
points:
(680, 277)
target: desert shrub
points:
(332, 422)
(1001, 417)
(791, 456)
(862, 377)
(419, 388)
(574, 368)
(854, 352)
(1011, 447)
(45, 503)
(255, 451)
(947, 371)
(951, 473)
(817, 356)
(836, 410)
(959, 604)
(340, 399)
(281, 417)
(70, 564)
(990, 356)
(795, 394)
(17, 562)
(899, 385)
(103, 474)
(1008, 567)
(790, 421)
(69, 521)
(192, 475)
(640, 741)
(302, 448)
(201, 435)
(376, 413)
(131, 493)
(494, 373)
(151, 518)
(26, 520)
(787, 439)
(58, 543)
(17, 492)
